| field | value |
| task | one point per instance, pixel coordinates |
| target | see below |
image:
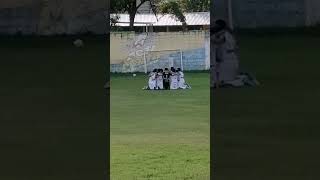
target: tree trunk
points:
(132, 17)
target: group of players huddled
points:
(166, 79)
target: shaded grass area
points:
(53, 110)
(159, 134)
(271, 132)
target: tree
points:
(195, 5)
(127, 6)
(157, 6)
(174, 8)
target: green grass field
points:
(271, 132)
(160, 134)
(53, 109)
(53, 116)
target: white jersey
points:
(159, 80)
(182, 83)
(152, 81)
(174, 81)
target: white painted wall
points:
(122, 42)
(47, 17)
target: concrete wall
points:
(22, 17)
(127, 50)
(123, 42)
(194, 59)
(312, 12)
(46, 17)
(269, 13)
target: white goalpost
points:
(160, 59)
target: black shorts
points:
(166, 84)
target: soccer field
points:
(160, 134)
(53, 105)
(53, 108)
(272, 131)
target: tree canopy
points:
(177, 8)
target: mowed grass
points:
(271, 132)
(53, 112)
(160, 134)
(53, 108)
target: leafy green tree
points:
(128, 6)
(195, 5)
(174, 8)
(157, 6)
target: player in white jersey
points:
(181, 81)
(160, 79)
(153, 80)
(174, 79)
